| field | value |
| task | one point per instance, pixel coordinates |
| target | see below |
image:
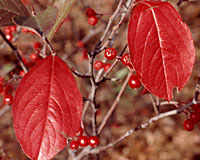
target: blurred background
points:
(163, 140)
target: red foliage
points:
(47, 103)
(162, 52)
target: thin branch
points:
(112, 19)
(114, 105)
(103, 79)
(115, 28)
(142, 126)
(16, 52)
(154, 104)
(73, 70)
(4, 110)
(197, 88)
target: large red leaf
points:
(161, 47)
(46, 105)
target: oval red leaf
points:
(47, 103)
(161, 47)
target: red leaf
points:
(47, 103)
(161, 47)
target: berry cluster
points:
(92, 18)
(194, 117)
(83, 141)
(99, 65)
(5, 90)
(9, 32)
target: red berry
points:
(80, 44)
(8, 99)
(37, 46)
(98, 65)
(33, 57)
(1, 87)
(79, 132)
(22, 73)
(125, 59)
(13, 28)
(106, 66)
(83, 141)
(195, 117)
(84, 54)
(9, 36)
(90, 12)
(7, 89)
(8, 30)
(134, 82)
(110, 53)
(92, 20)
(74, 144)
(93, 141)
(196, 107)
(188, 125)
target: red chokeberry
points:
(195, 117)
(33, 56)
(9, 36)
(79, 132)
(90, 12)
(8, 99)
(106, 66)
(1, 87)
(13, 28)
(188, 125)
(22, 73)
(92, 20)
(125, 59)
(134, 82)
(83, 141)
(37, 46)
(98, 65)
(84, 54)
(80, 44)
(196, 107)
(110, 53)
(93, 141)
(74, 144)
(8, 30)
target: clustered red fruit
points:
(134, 82)
(194, 117)
(5, 91)
(110, 53)
(37, 46)
(9, 32)
(125, 59)
(91, 14)
(83, 141)
(99, 65)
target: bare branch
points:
(16, 52)
(112, 108)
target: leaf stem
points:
(65, 11)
